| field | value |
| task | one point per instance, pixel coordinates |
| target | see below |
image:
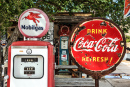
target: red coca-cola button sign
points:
(97, 44)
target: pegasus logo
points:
(33, 16)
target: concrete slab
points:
(104, 83)
(123, 67)
(118, 71)
(119, 82)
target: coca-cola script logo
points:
(97, 45)
(100, 45)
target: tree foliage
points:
(127, 38)
(11, 9)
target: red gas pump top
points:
(30, 43)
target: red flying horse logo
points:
(33, 16)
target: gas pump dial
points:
(64, 43)
(29, 51)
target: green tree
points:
(11, 9)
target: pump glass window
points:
(64, 43)
(28, 66)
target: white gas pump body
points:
(31, 66)
(17, 66)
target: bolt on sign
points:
(33, 23)
(97, 44)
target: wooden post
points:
(96, 82)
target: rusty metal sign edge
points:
(90, 72)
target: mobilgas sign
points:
(97, 44)
(33, 23)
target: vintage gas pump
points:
(31, 62)
(63, 45)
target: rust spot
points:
(90, 57)
(74, 37)
(101, 47)
(76, 57)
(107, 61)
(93, 37)
(109, 46)
(80, 40)
(111, 25)
(87, 34)
(104, 34)
(113, 43)
(107, 43)
(85, 54)
(90, 63)
(122, 43)
(81, 28)
(79, 45)
(81, 52)
(85, 63)
(119, 54)
(83, 48)
(109, 40)
(72, 43)
(77, 33)
(94, 45)
(103, 23)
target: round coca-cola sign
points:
(97, 44)
(33, 23)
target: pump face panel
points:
(28, 66)
(64, 43)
